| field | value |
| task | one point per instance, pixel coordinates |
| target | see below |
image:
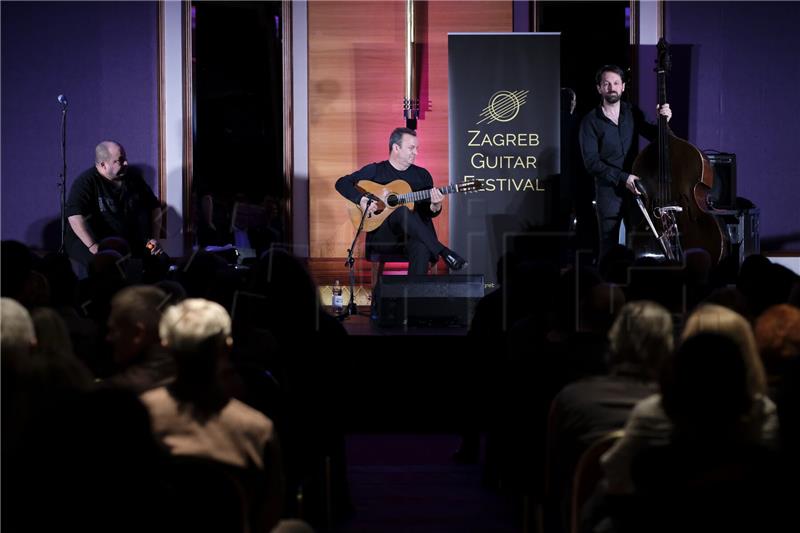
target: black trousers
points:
(405, 231)
(614, 204)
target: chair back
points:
(588, 473)
(208, 495)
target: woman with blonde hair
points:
(712, 318)
(649, 425)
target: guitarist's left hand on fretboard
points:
(436, 200)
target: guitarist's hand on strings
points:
(436, 200)
(372, 206)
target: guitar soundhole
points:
(391, 200)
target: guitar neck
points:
(416, 196)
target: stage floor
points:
(362, 325)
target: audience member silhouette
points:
(764, 283)
(730, 297)
(54, 351)
(282, 329)
(196, 275)
(711, 475)
(777, 332)
(494, 315)
(63, 283)
(18, 340)
(614, 265)
(648, 424)
(17, 266)
(109, 474)
(141, 362)
(697, 265)
(640, 339)
(194, 416)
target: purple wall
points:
(103, 56)
(740, 94)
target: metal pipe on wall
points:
(411, 92)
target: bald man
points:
(107, 200)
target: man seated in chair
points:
(404, 227)
(196, 416)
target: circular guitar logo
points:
(503, 106)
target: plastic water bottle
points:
(337, 300)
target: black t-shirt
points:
(124, 211)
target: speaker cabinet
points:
(428, 300)
(723, 191)
(741, 225)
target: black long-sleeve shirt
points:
(609, 149)
(417, 178)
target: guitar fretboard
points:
(416, 196)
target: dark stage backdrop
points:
(103, 57)
(734, 88)
(504, 130)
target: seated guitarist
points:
(411, 229)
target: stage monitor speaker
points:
(723, 191)
(428, 300)
(742, 227)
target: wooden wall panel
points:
(356, 73)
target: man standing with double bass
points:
(609, 135)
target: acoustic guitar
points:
(396, 194)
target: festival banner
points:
(504, 130)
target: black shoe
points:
(453, 260)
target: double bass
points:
(676, 179)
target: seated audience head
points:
(198, 333)
(118, 244)
(710, 318)
(704, 387)
(287, 289)
(17, 335)
(764, 283)
(52, 336)
(729, 297)
(197, 270)
(62, 280)
(698, 265)
(777, 332)
(602, 306)
(53, 364)
(105, 263)
(17, 264)
(640, 339)
(174, 291)
(615, 264)
(133, 322)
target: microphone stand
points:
(352, 308)
(62, 184)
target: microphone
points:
(62, 100)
